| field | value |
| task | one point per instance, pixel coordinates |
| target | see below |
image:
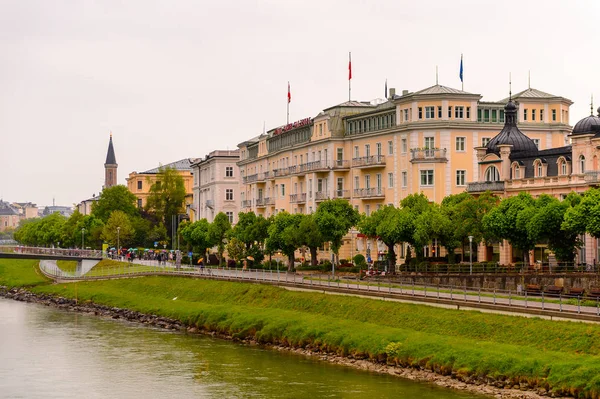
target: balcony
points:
(313, 166)
(297, 198)
(341, 164)
(247, 204)
(250, 179)
(262, 202)
(592, 177)
(281, 172)
(269, 175)
(343, 194)
(321, 195)
(368, 193)
(480, 187)
(426, 155)
(371, 161)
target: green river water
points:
(48, 353)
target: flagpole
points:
(462, 79)
(349, 76)
(288, 104)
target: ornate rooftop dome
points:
(511, 134)
(589, 124)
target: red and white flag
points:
(349, 66)
(289, 93)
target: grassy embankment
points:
(561, 356)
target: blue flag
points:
(461, 68)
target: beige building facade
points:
(216, 185)
(379, 152)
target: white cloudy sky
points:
(174, 79)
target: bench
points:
(553, 290)
(533, 289)
(576, 291)
(594, 292)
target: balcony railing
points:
(372, 192)
(592, 176)
(281, 172)
(269, 175)
(312, 166)
(321, 195)
(341, 194)
(369, 162)
(246, 203)
(250, 179)
(480, 187)
(341, 164)
(262, 202)
(297, 198)
(428, 155)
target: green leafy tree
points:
(71, 231)
(118, 230)
(309, 235)
(283, 235)
(251, 229)
(546, 225)
(334, 218)
(197, 235)
(167, 197)
(509, 221)
(584, 214)
(384, 224)
(236, 249)
(218, 231)
(434, 224)
(411, 208)
(116, 198)
(44, 232)
(93, 231)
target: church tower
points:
(110, 166)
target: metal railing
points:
(62, 252)
(298, 198)
(425, 154)
(368, 192)
(478, 187)
(582, 306)
(369, 161)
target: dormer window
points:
(563, 167)
(539, 170)
(516, 169)
(491, 174)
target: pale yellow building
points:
(139, 183)
(379, 152)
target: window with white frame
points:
(282, 190)
(582, 164)
(517, 171)
(404, 146)
(356, 182)
(460, 144)
(461, 177)
(429, 112)
(356, 151)
(439, 109)
(553, 115)
(390, 180)
(368, 210)
(390, 147)
(427, 177)
(492, 174)
(378, 149)
(404, 178)
(367, 181)
(367, 150)
(406, 115)
(229, 171)
(563, 166)
(229, 216)
(459, 112)
(485, 141)
(537, 143)
(229, 194)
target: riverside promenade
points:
(396, 287)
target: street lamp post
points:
(83, 238)
(470, 254)
(118, 246)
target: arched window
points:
(516, 170)
(562, 166)
(582, 163)
(491, 174)
(539, 170)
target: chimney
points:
(404, 92)
(392, 92)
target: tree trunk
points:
(391, 258)
(313, 256)
(291, 262)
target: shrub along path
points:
(563, 357)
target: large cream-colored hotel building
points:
(376, 153)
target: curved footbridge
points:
(86, 259)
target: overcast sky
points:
(177, 79)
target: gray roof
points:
(182, 164)
(110, 155)
(439, 89)
(530, 93)
(8, 211)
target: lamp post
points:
(470, 254)
(118, 246)
(82, 238)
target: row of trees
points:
(115, 218)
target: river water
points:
(49, 353)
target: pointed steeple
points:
(110, 155)
(110, 166)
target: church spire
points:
(110, 166)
